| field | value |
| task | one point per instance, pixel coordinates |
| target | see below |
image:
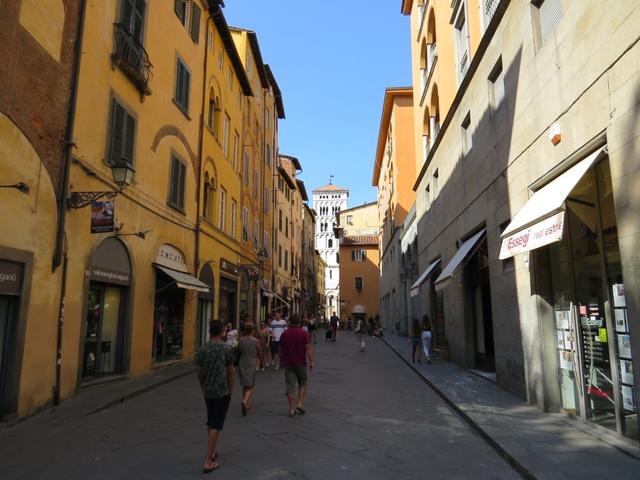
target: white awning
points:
(415, 288)
(459, 259)
(184, 280)
(539, 222)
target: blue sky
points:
(333, 60)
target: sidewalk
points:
(98, 397)
(537, 444)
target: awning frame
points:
(196, 284)
(471, 245)
(414, 290)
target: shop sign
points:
(10, 278)
(100, 274)
(170, 257)
(228, 266)
(102, 216)
(542, 233)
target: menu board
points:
(623, 341)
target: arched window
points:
(330, 243)
(206, 211)
(214, 112)
(330, 296)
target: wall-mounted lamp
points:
(21, 186)
(122, 172)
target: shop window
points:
(177, 185)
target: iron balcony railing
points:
(132, 58)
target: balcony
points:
(131, 57)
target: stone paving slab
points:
(543, 445)
(368, 417)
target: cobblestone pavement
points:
(368, 417)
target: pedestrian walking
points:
(426, 338)
(296, 354)
(312, 328)
(360, 331)
(414, 339)
(215, 373)
(248, 351)
(231, 336)
(276, 328)
(265, 352)
(334, 321)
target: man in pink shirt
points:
(295, 350)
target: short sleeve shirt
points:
(293, 343)
(213, 358)
(277, 327)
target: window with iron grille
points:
(177, 185)
(122, 136)
(183, 80)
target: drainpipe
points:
(60, 253)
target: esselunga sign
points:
(538, 235)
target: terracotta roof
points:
(360, 240)
(330, 188)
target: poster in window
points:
(102, 216)
(566, 360)
(562, 319)
(568, 340)
(624, 346)
(627, 398)
(621, 321)
(618, 295)
(626, 371)
(560, 338)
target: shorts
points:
(293, 375)
(415, 341)
(275, 347)
(217, 409)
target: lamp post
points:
(122, 172)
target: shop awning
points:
(541, 220)
(459, 259)
(415, 288)
(184, 280)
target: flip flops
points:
(301, 410)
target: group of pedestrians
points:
(420, 335)
(281, 343)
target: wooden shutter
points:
(353, 255)
(186, 78)
(195, 22)
(117, 133)
(175, 176)
(178, 7)
(129, 138)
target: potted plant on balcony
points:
(443, 348)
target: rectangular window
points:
(236, 148)
(349, 219)
(256, 233)
(358, 255)
(265, 243)
(266, 119)
(286, 260)
(496, 84)
(245, 168)
(549, 14)
(267, 156)
(280, 220)
(195, 22)
(245, 224)
(462, 40)
(177, 185)
(122, 136)
(467, 138)
(256, 184)
(183, 79)
(234, 208)
(280, 255)
(133, 12)
(265, 199)
(223, 209)
(210, 40)
(181, 7)
(358, 283)
(286, 227)
(220, 59)
(225, 135)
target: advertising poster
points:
(560, 337)
(621, 321)
(627, 398)
(624, 346)
(626, 371)
(568, 340)
(102, 216)
(566, 360)
(562, 319)
(618, 295)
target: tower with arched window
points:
(328, 201)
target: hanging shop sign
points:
(538, 235)
(102, 216)
(229, 267)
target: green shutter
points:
(183, 171)
(186, 77)
(129, 138)
(117, 137)
(195, 22)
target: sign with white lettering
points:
(542, 233)
(10, 278)
(170, 257)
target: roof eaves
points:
(257, 55)
(287, 178)
(225, 34)
(294, 160)
(303, 190)
(276, 92)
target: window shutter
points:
(117, 134)
(183, 170)
(127, 14)
(129, 138)
(185, 89)
(550, 14)
(179, 83)
(137, 23)
(175, 177)
(353, 255)
(364, 254)
(178, 7)
(195, 22)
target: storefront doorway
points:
(227, 300)
(205, 307)
(106, 311)
(8, 309)
(590, 318)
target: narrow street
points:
(368, 417)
